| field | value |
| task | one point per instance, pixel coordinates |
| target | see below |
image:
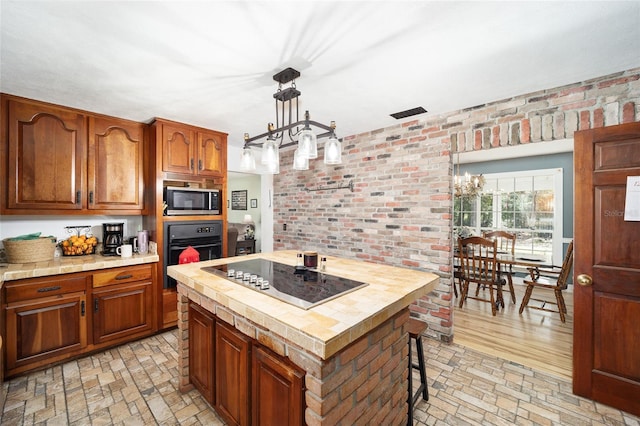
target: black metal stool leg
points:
(421, 367)
(410, 399)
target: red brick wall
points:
(400, 212)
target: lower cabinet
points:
(233, 350)
(48, 320)
(201, 351)
(122, 303)
(252, 385)
(278, 390)
(45, 321)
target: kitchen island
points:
(352, 349)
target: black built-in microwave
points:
(191, 201)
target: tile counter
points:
(69, 264)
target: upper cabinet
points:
(191, 151)
(212, 153)
(116, 164)
(63, 160)
(46, 157)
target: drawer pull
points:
(46, 289)
(124, 277)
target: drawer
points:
(122, 275)
(34, 288)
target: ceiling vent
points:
(408, 113)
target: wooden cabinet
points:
(46, 158)
(51, 319)
(182, 155)
(212, 153)
(245, 382)
(178, 148)
(122, 303)
(63, 160)
(45, 321)
(202, 351)
(233, 351)
(191, 151)
(278, 389)
(116, 168)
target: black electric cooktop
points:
(304, 288)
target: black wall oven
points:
(203, 236)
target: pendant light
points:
(289, 126)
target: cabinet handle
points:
(95, 305)
(82, 308)
(191, 164)
(78, 197)
(46, 289)
(90, 197)
(123, 277)
(199, 164)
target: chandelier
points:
(290, 130)
(467, 185)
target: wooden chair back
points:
(506, 240)
(478, 260)
(567, 264)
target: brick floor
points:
(137, 384)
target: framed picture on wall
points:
(254, 203)
(239, 200)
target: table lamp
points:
(250, 231)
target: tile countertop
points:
(327, 328)
(69, 264)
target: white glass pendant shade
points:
(309, 144)
(300, 162)
(333, 151)
(271, 156)
(247, 161)
(269, 152)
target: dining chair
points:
(506, 242)
(554, 278)
(478, 265)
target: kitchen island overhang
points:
(362, 329)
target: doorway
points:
(247, 206)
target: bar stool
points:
(415, 327)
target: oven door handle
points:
(195, 246)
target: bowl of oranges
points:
(79, 245)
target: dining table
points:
(505, 258)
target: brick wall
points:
(365, 383)
(400, 210)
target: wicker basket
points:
(27, 251)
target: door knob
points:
(585, 280)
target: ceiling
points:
(211, 63)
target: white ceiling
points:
(211, 63)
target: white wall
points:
(12, 226)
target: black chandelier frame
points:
(286, 96)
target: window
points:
(527, 203)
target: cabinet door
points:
(115, 166)
(279, 388)
(212, 154)
(46, 158)
(122, 311)
(41, 331)
(232, 375)
(202, 351)
(178, 149)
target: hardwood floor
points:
(536, 339)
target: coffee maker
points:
(112, 235)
